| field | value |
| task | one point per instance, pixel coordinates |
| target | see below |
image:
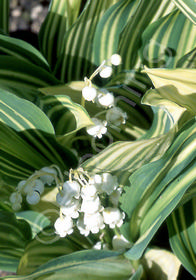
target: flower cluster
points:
(114, 115)
(33, 187)
(90, 203)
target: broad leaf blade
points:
(23, 78)
(165, 41)
(182, 232)
(24, 127)
(188, 7)
(109, 28)
(131, 36)
(188, 60)
(156, 189)
(75, 61)
(61, 15)
(66, 116)
(14, 236)
(22, 50)
(47, 246)
(89, 264)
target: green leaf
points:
(47, 246)
(37, 221)
(156, 188)
(182, 232)
(182, 79)
(22, 50)
(188, 60)
(131, 36)
(75, 61)
(109, 28)
(4, 16)
(89, 264)
(168, 97)
(23, 78)
(66, 116)
(24, 127)
(188, 7)
(61, 15)
(124, 157)
(14, 235)
(165, 41)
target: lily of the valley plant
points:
(98, 142)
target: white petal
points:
(48, 179)
(116, 59)
(89, 93)
(106, 72)
(33, 198)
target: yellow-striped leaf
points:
(22, 50)
(47, 246)
(182, 232)
(66, 116)
(27, 140)
(23, 78)
(61, 15)
(188, 60)
(14, 235)
(188, 7)
(156, 188)
(74, 62)
(89, 264)
(131, 36)
(165, 41)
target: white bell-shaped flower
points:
(106, 72)
(63, 226)
(16, 198)
(94, 222)
(21, 185)
(91, 206)
(119, 242)
(71, 210)
(88, 191)
(106, 99)
(63, 198)
(72, 187)
(33, 197)
(97, 181)
(116, 59)
(113, 217)
(109, 183)
(89, 93)
(48, 179)
(115, 196)
(116, 116)
(81, 226)
(98, 129)
(38, 186)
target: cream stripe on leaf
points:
(109, 28)
(75, 60)
(14, 235)
(167, 40)
(188, 7)
(156, 189)
(22, 50)
(24, 127)
(182, 231)
(61, 15)
(23, 78)
(130, 39)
